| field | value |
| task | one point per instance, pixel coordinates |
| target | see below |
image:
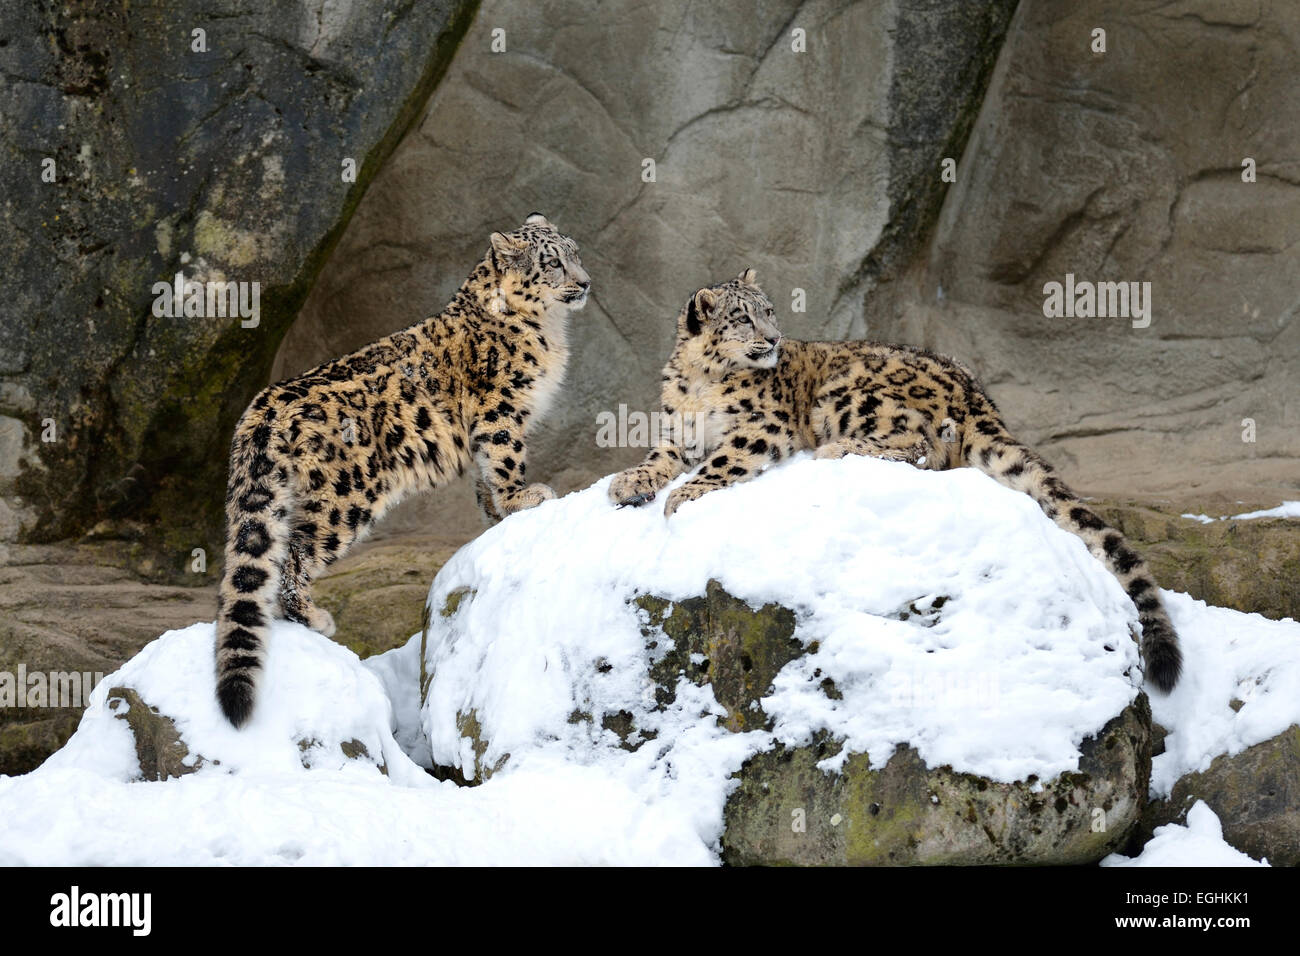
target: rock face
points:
(819, 168)
(822, 170)
(786, 811)
(157, 138)
(1248, 565)
(1127, 166)
(1256, 794)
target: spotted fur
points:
(316, 460)
(751, 399)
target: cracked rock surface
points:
(152, 138)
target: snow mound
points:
(255, 802)
(299, 720)
(948, 611)
(1200, 843)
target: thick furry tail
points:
(999, 455)
(257, 543)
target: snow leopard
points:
(753, 398)
(316, 460)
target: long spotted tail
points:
(1019, 467)
(257, 543)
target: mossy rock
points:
(722, 641)
(162, 753)
(788, 812)
(1256, 795)
(1250, 566)
(377, 597)
(177, 168)
(158, 744)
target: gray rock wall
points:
(1127, 166)
(207, 138)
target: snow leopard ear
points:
(700, 310)
(749, 277)
(507, 251)
(537, 219)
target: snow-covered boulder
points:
(1233, 727)
(841, 662)
(157, 717)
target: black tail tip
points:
(235, 694)
(1164, 664)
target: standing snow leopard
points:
(316, 460)
(755, 398)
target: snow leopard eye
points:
(552, 263)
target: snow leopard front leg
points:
(638, 486)
(499, 453)
(743, 453)
(483, 495)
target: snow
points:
(1228, 656)
(306, 677)
(1199, 843)
(1029, 653)
(1287, 509)
(261, 806)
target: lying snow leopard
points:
(738, 397)
(317, 459)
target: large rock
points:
(1127, 166)
(819, 168)
(203, 138)
(787, 811)
(1248, 565)
(1256, 794)
(863, 683)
